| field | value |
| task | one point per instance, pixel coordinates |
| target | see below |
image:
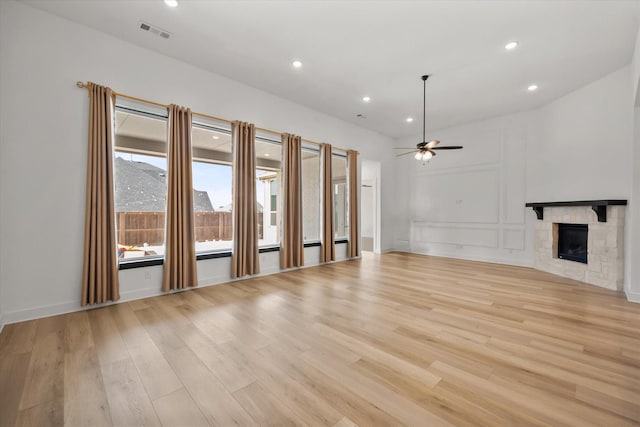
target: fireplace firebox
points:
(572, 242)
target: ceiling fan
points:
(425, 150)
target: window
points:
(311, 194)
(140, 183)
(268, 184)
(212, 183)
(273, 191)
(340, 196)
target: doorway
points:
(370, 206)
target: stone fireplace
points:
(604, 221)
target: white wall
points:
(632, 259)
(582, 149)
(595, 121)
(43, 133)
(367, 212)
(1, 311)
(371, 203)
(470, 203)
(632, 234)
(635, 69)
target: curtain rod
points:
(87, 86)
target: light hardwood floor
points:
(387, 340)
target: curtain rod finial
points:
(81, 84)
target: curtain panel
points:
(180, 247)
(328, 246)
(245, 257)
(100, 266)
(354, 241)
(292, 246)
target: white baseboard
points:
(632, 296)
(72, 306)
(489, 259)
(42, 311)
(125, 296)
(1, 322)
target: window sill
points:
(136, 263)
(149, 262)
(213, 255)
(271, 248)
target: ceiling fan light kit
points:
(424, 150)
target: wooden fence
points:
(138, 228)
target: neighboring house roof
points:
(141, 187)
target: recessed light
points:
(511, 45)
(171, 3)
(267, 154)
(215, 137)
(366, 99)
(409, 119)
(297, 64)
(532, 88)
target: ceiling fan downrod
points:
(424, 108)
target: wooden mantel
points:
(598, 206)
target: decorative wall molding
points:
(513, 176)
(474, 257)
(459, 169)
(469, 235)
(470, 196)
(513, 238)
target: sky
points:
(212, 178)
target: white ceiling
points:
(381, 48)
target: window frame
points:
(343, 155)
(124, 108)
(145, 110)
(220, 253)
(271, 247)
(316, 150)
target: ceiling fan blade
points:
(448, 147)
(432, 144)
(404, 148)
(404, 154)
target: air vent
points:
(154, 30)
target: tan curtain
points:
(100, 267)
(352, 164)
(328, 247)
(292, 246)
(180, 247)
(245, 257)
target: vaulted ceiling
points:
(351, 49)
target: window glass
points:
(268, 184)
(212, 183)
(140, 184)
(311, 194)
(340, 197)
